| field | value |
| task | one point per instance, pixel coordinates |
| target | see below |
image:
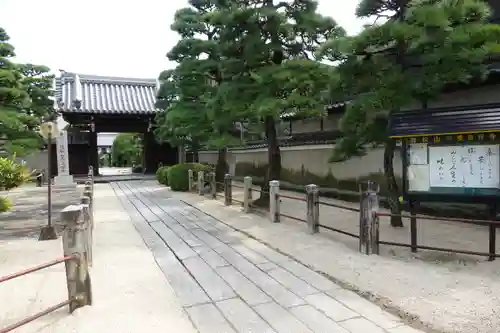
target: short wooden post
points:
(312, 192)
(413, 226)
(492, 231)
(90, 175)
(247, 193)
(87, 214)
(228, 190)
(190, 180)
(368, 219)
(74, 244)
(87, 192)
(89, 188)
(201, 183)
(274, 201)
(213, 185)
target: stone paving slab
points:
(130, 292)
(243, 317)
(228, 282)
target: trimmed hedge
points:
(137, 169)
(162, 175)
(178, 174)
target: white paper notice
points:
(471, 166)
(417, 153)
(418, 178)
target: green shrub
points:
(5, 205)
(162, 175)
(137, 169)
(178, 174)
(12, 174)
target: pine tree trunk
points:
(274, 161)
(221, 168)
(390, 148)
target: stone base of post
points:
(64, 180)
(48, 232)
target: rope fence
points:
(77, 238)
(369, 213)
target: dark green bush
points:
(178, 174)
(137, 169)
(162, 175)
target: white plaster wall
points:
(37, 160)
(314, 158)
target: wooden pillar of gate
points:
(151, 153)
(93, 153)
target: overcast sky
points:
(109, 37)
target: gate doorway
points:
(99, 105)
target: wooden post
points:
(228, 192)
(492, 228)
(201, 183)
(89, 188)
(368, 219)
(413, 226)
(74, 243)
(247, 193)
(213, 186)
(90, 175)
(87, 192)
(87, 214)
(312, 192)
(190, 180)
(274, 201)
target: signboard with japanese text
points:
(471, 166)
(467, 164)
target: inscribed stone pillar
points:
(63, 177)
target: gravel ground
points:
(432, 291)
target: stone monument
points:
(63, 177)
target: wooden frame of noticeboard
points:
(456, 167)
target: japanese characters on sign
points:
(475, 166)
(467, 161)
(62, 154)
(444, 139)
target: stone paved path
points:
(230, 283)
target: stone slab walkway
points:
(228, 282)
(460, 298)
(130, 293)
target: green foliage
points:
(137, 169)
(162, 175)
(12, 174)
(269, 60)
(25, 100)
(411, 57)
(5, 205)
(126, 150)
(186, 91)
(242, 64)
(178, 175)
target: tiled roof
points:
(105, 95)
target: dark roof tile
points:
(105, 95)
